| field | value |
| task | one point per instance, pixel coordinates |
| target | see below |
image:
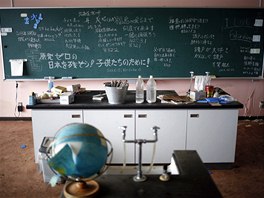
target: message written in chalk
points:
(127, 42)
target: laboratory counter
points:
(209, 129)
(85, 101)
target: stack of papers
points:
(175, 99)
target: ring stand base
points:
(139, 179)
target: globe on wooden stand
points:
(79, 153)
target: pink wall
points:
(136, 3)
(247, 91)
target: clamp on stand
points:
(140, 177)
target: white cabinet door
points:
(48, 122)
(213, 134)
(108, 122)
(171, 135)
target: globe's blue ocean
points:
(82, 151)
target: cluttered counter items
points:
(86, 100)
(66, 95)
(56, 95)
(117, 93)
(218, 98)
(74, 96)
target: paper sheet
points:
(16, 67)
(200, 82)
(258, 23)
(256, 38)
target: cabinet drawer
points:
(109, 123)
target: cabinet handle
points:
(194, 115)
(142, 115)
(76, 116)
(128, 115)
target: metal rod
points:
(190, 86)
(140, 160)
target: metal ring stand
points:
(140, 177)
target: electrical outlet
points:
(20, 107)
(261, 104)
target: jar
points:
(209, 89)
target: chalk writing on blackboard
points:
(36, 18)
(164, 56)
(71, 61)
(186, 25)
(114, 42)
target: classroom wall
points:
(247, 91)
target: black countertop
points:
(84, 101)
(193, 181)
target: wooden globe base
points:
(81, 189)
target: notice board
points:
(127, 42)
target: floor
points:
(19, 176)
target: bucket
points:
(116, 95)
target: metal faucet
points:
(140, 177)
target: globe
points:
(79, 152)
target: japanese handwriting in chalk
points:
(72, 61)
(35, 18)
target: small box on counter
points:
(67, 98)
(74, 88)
(197, 95)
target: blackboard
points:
(127, 42)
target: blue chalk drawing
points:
(35, 18)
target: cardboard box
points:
(67, 98)
(58, 89)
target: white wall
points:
(249, 92)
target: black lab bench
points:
(193, 181)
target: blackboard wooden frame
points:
(126, 42)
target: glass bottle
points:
(50, 84)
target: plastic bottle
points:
(151, 90)
(50, 84)
(139, 90)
